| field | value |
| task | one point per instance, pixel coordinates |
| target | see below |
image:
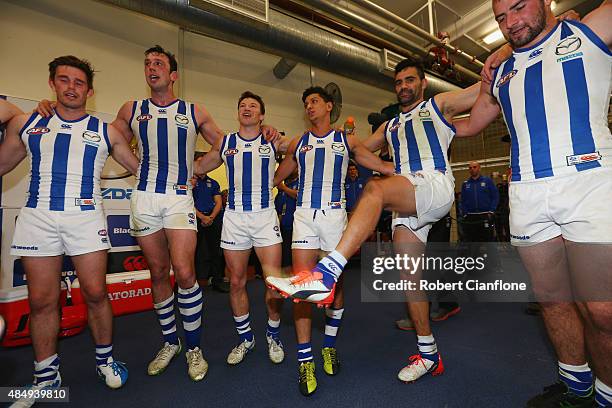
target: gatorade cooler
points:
(15, 309)
(129, 292)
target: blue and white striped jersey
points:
(555, 97)
(66, 160)
(249, 166)
(419, 139)
(166, 141)
(322, 164)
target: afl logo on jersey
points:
(143, 118)
(306, 148)
(181, 119)
(38, 131)
(424, 113)
(394, 127)
(230, 152)
(338, 147)
(265, 149)
(506, 78)
(567, 45)
(91, 136)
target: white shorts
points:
(250, 229)
(49, 233)
(434, 193)
(318, 229)
(153, 211)
(577, 207)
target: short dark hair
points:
(72, 61)
(317, 90)
(249, 94)
(160, 50)
(410, 63)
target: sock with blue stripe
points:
(579, 379)
(304, 352)
(331, 267)
(190, 306)
(273, 329)
(104, 354)
(603, 394)
(167, 319)
(243, 327)
(427, 347)
(333, 318)
(46, 370)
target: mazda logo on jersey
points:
(230, 152)
(506, 78)
(91, 136)
(38, 131)
(181, 119)
(567, 45)
(265, 149)
(119, 231)
(306, 148)
(338, 147)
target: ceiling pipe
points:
(284, 36)
(382, 12)
(362, 22)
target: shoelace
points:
(306, 372)
(306, 277)
(165, 352)
(117, 367)
(416, 359)
(331, 354)
(276, 343)
(192, 357)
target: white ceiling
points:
(467, 21)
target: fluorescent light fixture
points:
(553, 5)
(493, 37)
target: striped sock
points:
(428, 348)
(46, 370)
(333, 318)
(273, 329)
(190, 305)
(579, 379)
(304, 352)
(243, 327)
(104, 353)
(334, 262)
(167, 320)
(603, 394)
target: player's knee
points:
(40, 303)
(600, 314)
(237, 281)
(95, 296)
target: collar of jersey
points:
(419, 106)
(539, 43)
(163, 106)
(71, 121)
(324, 136)
(248, 140)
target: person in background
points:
(353, 187)
(479, 198)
